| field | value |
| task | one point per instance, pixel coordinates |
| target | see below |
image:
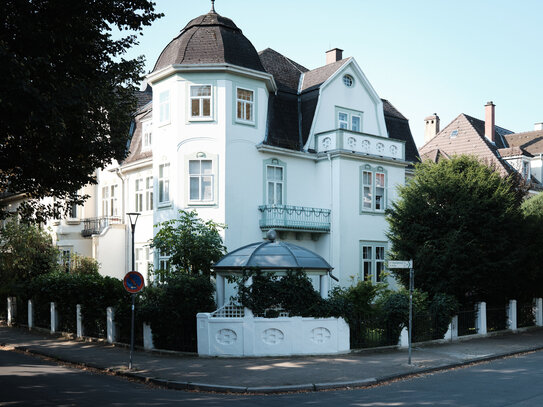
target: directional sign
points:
(400, 264)
(133, 282)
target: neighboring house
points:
(255, 141)
(506, 151)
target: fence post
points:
(79, 321)
(512, 315)
(54, 318)
(538, 311)
(30, 314)
(147, 337)
(12, 310)
(481, 318)
(111, 331)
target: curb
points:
(250, 390)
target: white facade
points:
(207, 135)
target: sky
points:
(425, 57)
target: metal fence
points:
(467, 322)
(496, 318)
(372, 330)
(95, 226)
(525, 315)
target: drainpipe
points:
(331, 250)
(122, 177)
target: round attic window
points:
(348, 81)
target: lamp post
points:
(133, 217)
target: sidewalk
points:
(279, 374)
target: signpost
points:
(133, 283)
(406, 264)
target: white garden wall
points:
(284, 336)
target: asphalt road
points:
(29, 381)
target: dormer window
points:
(200, 101)
(146, 138)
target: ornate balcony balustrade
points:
(95, 226)
(294, 218)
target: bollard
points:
(111, 331)
(30, 314)
(512, 315)
(79, 321)
(481, 318)
(147, 337)
(54, 318)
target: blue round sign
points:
(133, 282)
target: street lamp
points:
(133, 217)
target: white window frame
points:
(200, 177)
(214, 179)
(149, 203)
(65, 256)
(373, 183)
(74, 211)
(164, 107)
(146, 135)
(164, 192)
(163, 260)
(373, 256)
(144, 258)
(276, 184)
(138, 194)
(346, 123)
(110, 201)
(200, 116)
(243, 103)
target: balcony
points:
(95, 226)
(361, 143)
(294, 218)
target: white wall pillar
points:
(111, 331)
(452, 331)
(79, 321)
(12, 310)
(219, 281)
(403, 341)
(324, 285)
(30, 314)
(481, 318)
(54, 318)
(147, 337)
(512, 315)
(538, 311)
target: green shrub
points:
(171, 309)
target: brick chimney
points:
(334, 55)
(538, 126)
(490, 129)
(431, 128)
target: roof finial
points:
(212, 6)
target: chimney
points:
(538, 126)
(334, 55)
(432, 127)
(490, 130)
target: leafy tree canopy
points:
(533, 207)
(67, 94)
(459, 220)
(192, 244)
(26, 251)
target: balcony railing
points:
(95, 226)
(294, 218)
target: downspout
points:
(331, 249)
(122, 177)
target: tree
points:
(26, 251)
(460, 222)
(67, 95)
(192, 244)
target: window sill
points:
(163, 205)
(73, 221)
(210, 203)
(164, 124)
(371, 212)
(245, 123)
(201, 119)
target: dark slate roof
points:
(210, 38)
(469, 140)
(285, 71)
(530, 141)
(144, 97)
(316, 77)
(135, 153)
(282, 127)
(398, 128)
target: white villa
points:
(255, 141)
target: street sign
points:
(133, 282)
(400, 264)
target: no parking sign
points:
(133, 282)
